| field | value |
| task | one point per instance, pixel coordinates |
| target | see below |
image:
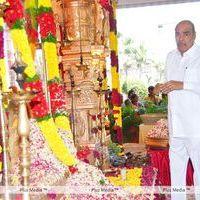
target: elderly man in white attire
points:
(183, 89)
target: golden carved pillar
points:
(84, 57)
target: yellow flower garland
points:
(63, 123)
(56, 143)
(114, 73)
(50, 51)
(115, 78)
(44, 3)
(47, 127)
(29, 4)
(20, 41)
(3, 70)
(51, 59)
(113, 42)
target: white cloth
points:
(184, 116)
(181, 149)
(184, 105)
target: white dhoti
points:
(181, 149)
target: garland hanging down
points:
(3, 70)
(116, 96)
(47, 26)
(31, 24)
(14, 17)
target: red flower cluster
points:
(47, 24)
(34, 87)
(14, 12)
(73, 169)
(116, 98)
(57, 97)
(83, 153)
(39, 106)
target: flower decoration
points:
(47, 25)
(160, 130)
(116, 96)
(31, 24)
(14, 15)
(73, 169)
(83, 154)
(3, 70)
(38, 104)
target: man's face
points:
(184, 36)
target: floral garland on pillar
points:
(3, 70)
(14, 17)
(47, 26)
(116, 96)
(31, 24)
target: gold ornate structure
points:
(84, 55)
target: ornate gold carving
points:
(77, 22)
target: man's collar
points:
(190, 52)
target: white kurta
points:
(184, 105)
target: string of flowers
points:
(116, 96)
(14, 17)
(47, 26)
(3, 70)
(31, 24)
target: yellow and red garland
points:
(116, 97)
(14, 17)
(47, 26)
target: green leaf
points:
(43, 9)
(19, 24)
(102, 182)
(61, 113)
(49, 38)
(35, 78)
(47, 117)
(55, 80)
(1, 28)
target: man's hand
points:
(157, 88)
(170, 86)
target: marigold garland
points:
(48, 34)
(55, 142)
(20, 41)
(15, 18)
(3, 71)
(51, 60)
(116, 99)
